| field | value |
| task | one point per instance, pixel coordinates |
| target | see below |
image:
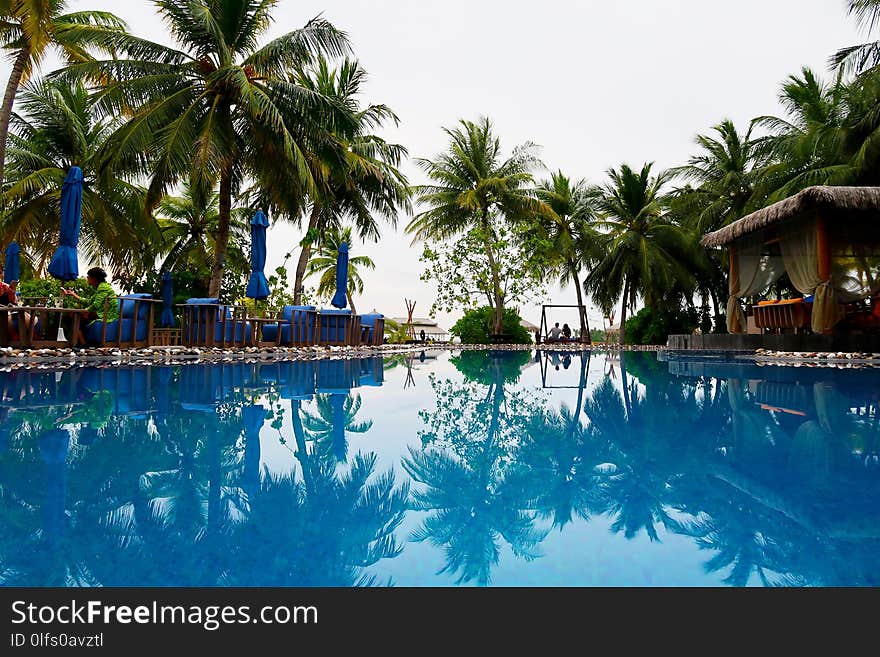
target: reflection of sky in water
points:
(671, 474)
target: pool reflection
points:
(158, 476)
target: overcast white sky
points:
(595, 83)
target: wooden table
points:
(257, 324)
(780, 317)
(26, 337)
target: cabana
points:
(827, 239)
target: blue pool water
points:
(441, 469)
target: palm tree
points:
(726, 171)
(811, 145)
(830, 136)
(643, 253)
(866, 55)
(358, 177)
(728, 174)
(30, 29)
(188, 226)
(323, 264)
(208, 110)
(56, 128)
(568, 225)
(471, 185)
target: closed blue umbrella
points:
(253, 418)
(12, 266)
(339, 299)
(258, 286)
(64, 264)
(166, 320)
(53, 446)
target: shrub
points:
(649, 326)
(475, 327)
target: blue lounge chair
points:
(338, 327)
(298, 327)
(208, 323)
(132, 329)
(372, 328)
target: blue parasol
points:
(12, 265)
(64, 264)
(166, 320)
(258, 286)
(339, 299)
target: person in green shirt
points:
(102, 300)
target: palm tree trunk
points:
(624, 383)
(9, 100)
(304, 256)
(221, 239)
(585, 321)
(497, 294)
(351, 303)
(621, 339)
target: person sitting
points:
(7, 298)
(566, 331)
(104, 297)
(554, 334)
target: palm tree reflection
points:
(467, 467)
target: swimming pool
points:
(440, 468)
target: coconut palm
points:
(863, 56)
(208, 110)
(30, 29)
(726, 172)
(56, 127)
(568, 225)
(727, 175)
(323, 265)
(643, 252)
(830, 135)
(471, 187)
(188, 226)
(810, 144)
(357, 177)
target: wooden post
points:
(823, 248)
(410, 309)
(733, 270)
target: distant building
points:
(429, 326)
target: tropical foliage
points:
(323, 266)
(178, 142)
(475, 189)
(475, 327)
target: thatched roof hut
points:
(853, 201)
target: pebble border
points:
(12, 358)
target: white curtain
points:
(799, 246)
(750, 273)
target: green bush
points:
(50, 288)
(654, 326)
(475, 327)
